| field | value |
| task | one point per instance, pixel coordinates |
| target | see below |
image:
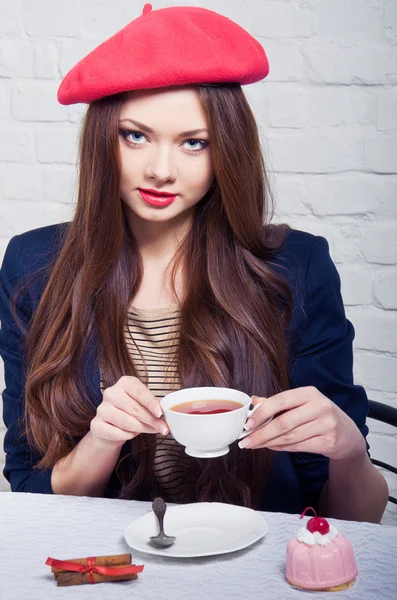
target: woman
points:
(171, 275)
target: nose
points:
(160, 165)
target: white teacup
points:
(206, 435)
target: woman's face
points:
(164, 147)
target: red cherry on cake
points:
(316, 523)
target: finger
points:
(125, 414)
(288, 421)
(124, 421)
(253, 411)
(257, 400)
(108, 433)
(315, 445)
(142, 414)
(118, 397)
(295, 436)
(280, 403)
(140, 392)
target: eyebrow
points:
(150, 130)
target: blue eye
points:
(135, 137)
(192, 144)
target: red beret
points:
(171, 46)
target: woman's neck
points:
(158, 241)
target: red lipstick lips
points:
(155, 198)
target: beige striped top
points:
(152, 337)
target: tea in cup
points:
(206, 419)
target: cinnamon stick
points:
(65, 579)
(114, 560)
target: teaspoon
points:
(159, 507)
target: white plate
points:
(201, 529)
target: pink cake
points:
(320, 558)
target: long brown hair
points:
(233, 316)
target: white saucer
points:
(201, 529)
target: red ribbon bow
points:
(93, 568)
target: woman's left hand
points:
(309, 422)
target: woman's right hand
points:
(128, 408)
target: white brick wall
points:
(327, 114)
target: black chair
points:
(385, 414)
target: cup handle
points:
(248, 431)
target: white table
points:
(35, 526)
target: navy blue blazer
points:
(319, 337)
